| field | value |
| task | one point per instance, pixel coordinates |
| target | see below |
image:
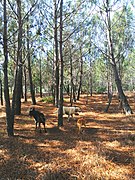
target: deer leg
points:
(68, 117)
(36, 124)
(39, 128)
(44, 128)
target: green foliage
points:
(81, 29)
(47, 99)
(100, 89)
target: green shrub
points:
(47, 99)
(100, 90)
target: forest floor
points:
(104, 151)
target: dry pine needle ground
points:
(104, 150)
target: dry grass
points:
(104, 151)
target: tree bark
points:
(40, 79)
(53, 81)
(25, 84)
(60, 113)
(109, 102)
(126, 107)
(90, 82)
(90, 77)
(1, 92)
(18, 90)
(81, 74)
(56, 54)
(9, 119)
(32, 90)
(71, 79)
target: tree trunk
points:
(53, 82)
(91, 85)
(109, 87)
(109, 102)
(9, 119)
(90, 77)
(56, 55)
(1, 93)
(71, 79)
(18, 92)
(81, 74)
(40, 79)
(32, 90)
(25, 84)
(60, 113)
(127, 109)
(18, 89)
(74, 93)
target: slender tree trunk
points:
(32, 90)
(9, 119)
(90, 78)
(127, 109)
(1, 93)
(25, 84)
(91, 85)
(71, 79)
(81, 74)
(109, 87)
(74, 92)
(40, 79)
(90, 75)
(109, 102)
(18, 89)
(53, 81)
(56, 54)
(60, 113)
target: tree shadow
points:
(118, 157)
(91, 131)
(17, 169)
(15, 162)
(58, 175)
(30, 150)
